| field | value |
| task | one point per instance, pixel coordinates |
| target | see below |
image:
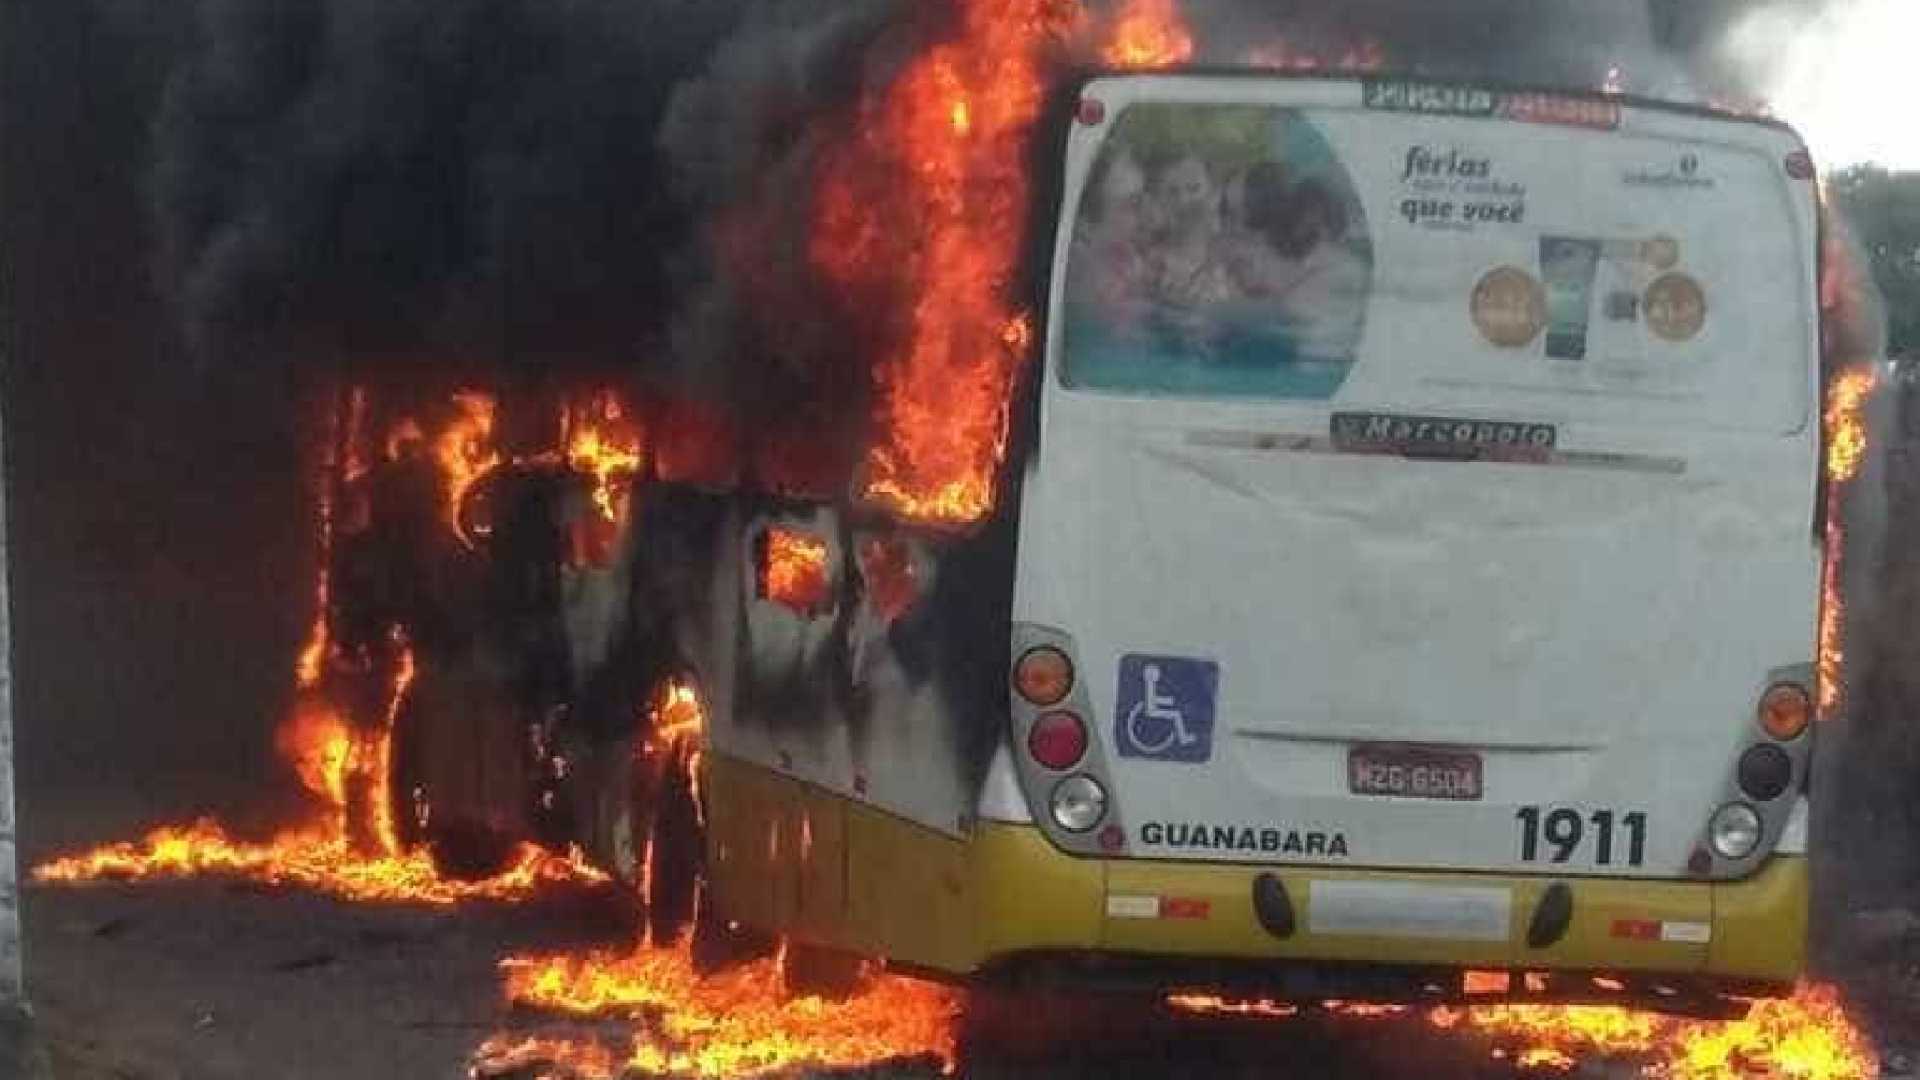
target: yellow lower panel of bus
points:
(790, 857)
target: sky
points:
(1843, 78)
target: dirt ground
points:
(211, 981)
(204, 981)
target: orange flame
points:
(323, 857)
(319, 746)
(887, 569)
(318, 860)
(465, 450)
(313, 656)
(1214, 1005)
(932, 198)
(603, 443)
(1283, 56)
(794, 571)
(1806, 1036)
(678, 716)
(545, 1057)
(1148, 34)
(1846, 422)
(377, 768)
(1846, 435)
(735, 1023)
(336, 758)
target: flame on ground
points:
(547, 1057)
(331, 760)
(739, 1022)
(322, 857)
(318, 860)
(1804, 1037)
(352, 850)
(1846, 447)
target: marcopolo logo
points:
(1445, 99)
(1440, 436)
(1397, 95)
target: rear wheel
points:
(668, 838)
(647, 827)
(820, 971)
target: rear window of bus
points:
(1234, 251)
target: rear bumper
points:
(787, 857)
(1031, 899)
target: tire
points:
(643, 825)
(819, 971)
(407, 791)
(676, 841)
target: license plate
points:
(1414, 772)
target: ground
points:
(202, 981)
(212, 981)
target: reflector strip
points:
(1690, 933)
(1685, 933)
(1159, 907)
(1185, 907)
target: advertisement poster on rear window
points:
(1519, 258)
(1219, 250)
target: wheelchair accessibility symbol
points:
(1164, 709)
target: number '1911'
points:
(1564, 832)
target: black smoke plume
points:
(405, 178)
(536, 182)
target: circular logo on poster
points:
(1661, 252)
(1509, 307)
(1676, 307)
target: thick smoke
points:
(539, 182)
(409, 177)
(743, 140)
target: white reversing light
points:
(1734, 831)
(1079, 802)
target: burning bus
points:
(1406, 578)
(1405, 560)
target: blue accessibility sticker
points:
(1164, 708)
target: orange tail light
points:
(1785, 711)
(1043, 676)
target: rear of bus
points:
(1416, 567)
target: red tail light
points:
(1058, 740)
